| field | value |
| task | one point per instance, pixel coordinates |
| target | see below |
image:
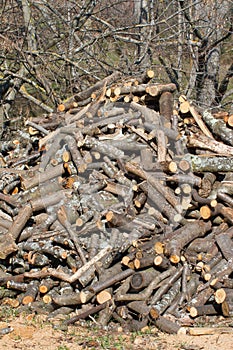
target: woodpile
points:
(119, 204)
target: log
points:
(230, 120)
(148, 290)
(225, 243)
(7, 244)
(30, 293)
(210, 163)
(103, 296)
(204, 310)
(95, 288)
(199, 121)
(204, 142)
(166, 106)
(208, 330)
(166, 325)
(160, 306)
(142, 279)
(220, 296)
(188, 233)
(219, 128)
(85, 314)
(83, 95)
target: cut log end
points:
(47, 299)
(103, 296)
(205, 212)
(230, 120)
(158, 260)
(154, 313)
(184, 107)
(27, 300)
(220, 296)
(61, 108)
(175, 259)
(43, 289)
(159, 247)
(193, 312)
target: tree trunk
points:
(144, 14)
(208, 84)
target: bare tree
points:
(144, 12)
(210, 24)
(199, 32)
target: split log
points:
(227, 308)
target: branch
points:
(10, 96)
(24, 79)
(169, 72)
(215, 43)
(31, 98)
(29, 25)
(187, 17)
(224, 84)
(227, 94)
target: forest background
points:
(52, 49)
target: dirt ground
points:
(35, 333)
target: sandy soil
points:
(34, 333)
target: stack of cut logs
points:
(119, 204)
